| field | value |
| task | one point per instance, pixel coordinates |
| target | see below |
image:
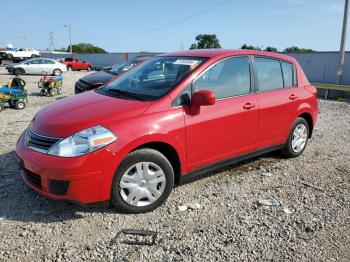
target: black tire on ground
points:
(88, 68)
(288, 151)
(12, 103)
(53, 91)
(69, 68)
(57, 72)
(9, 56)
(20, 105)
(18, 71)
(142, 155)
(59, 91)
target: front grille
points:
(38, 142)
(32, 178)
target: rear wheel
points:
(69, 68)
(9, 56)
(143, 181)
(88, 68)
(53, 91)
(297, 139)
(20, 105)
(57, 72)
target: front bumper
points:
(85, 179)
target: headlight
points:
(83, 142)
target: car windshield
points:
(152, 79)
(126, 66)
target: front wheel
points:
(143, 181)
(88, 68)
(297, 139)
(9, 56)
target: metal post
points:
(70, 39)
(342, 44)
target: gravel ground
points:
(269, 208)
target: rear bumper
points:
(83, 180)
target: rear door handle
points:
(249, 106)
(292, 97)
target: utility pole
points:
(70, 38)
(342, 44)
(51, 47)
(25, 40)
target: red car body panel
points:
(230, 128)
(76, 64)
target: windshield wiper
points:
(125, 94)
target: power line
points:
(174, 22)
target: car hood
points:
(75, 113)
(98, 78)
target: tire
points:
(53, 91)
(12, 103)
(57, 72)
(20, 105)
(59, 91)
(18, 71)
(300, 130)
(161, 184)
(88, 68)
(43, 92)
(69, 68)
(9, 56)
(2, 107)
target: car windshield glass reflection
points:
(154, 78)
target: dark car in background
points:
(98, 79)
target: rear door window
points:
(269, 73)
(228, 78)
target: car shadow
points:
(20, 203)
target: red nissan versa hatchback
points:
(175, 116)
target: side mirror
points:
(203, 98)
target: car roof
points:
(211, 53)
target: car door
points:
(47, 66)
(35, 66)
(277, 98)
(227, 128)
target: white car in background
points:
(20, 53)
(37, 66)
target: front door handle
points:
(292, 97)
(249, 106)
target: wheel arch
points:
(308, 117)
(169, 152)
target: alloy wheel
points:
(299, 138)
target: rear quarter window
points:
(269, 73)
(288, 74)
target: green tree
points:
(270, 49)
(86, 48)
(250, 47)
(295, 49)
(206, 41)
